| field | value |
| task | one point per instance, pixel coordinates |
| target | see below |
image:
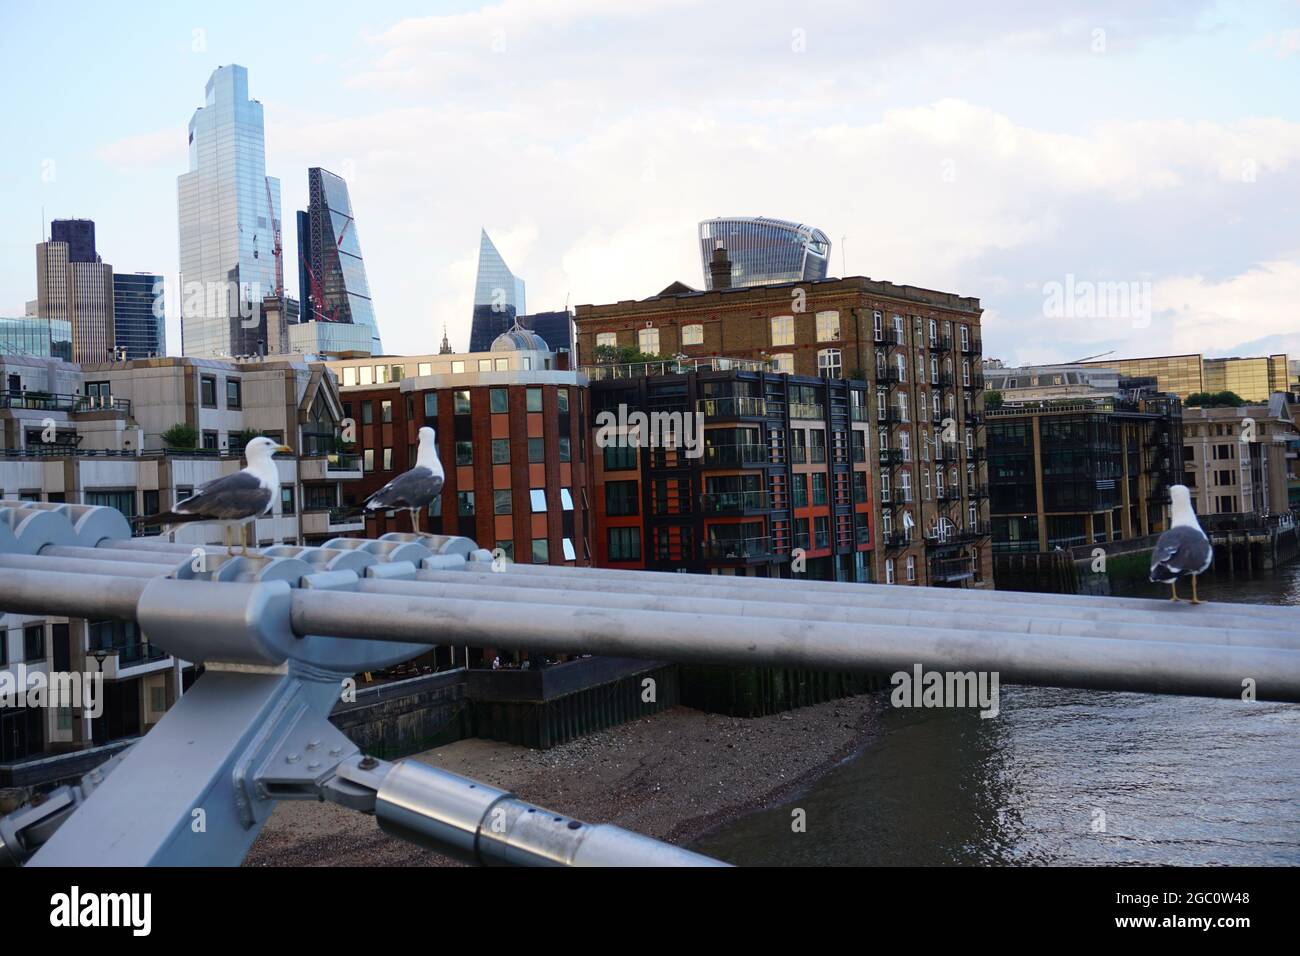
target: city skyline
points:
(1109, 175)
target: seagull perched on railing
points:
(415, 489)
(232, 499)
(1184, 549)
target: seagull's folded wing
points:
(239, 495)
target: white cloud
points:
(165, 147)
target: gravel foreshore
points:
(673, 776)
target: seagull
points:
(1182, 550)
(232, 499)
(415, 489)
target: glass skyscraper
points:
(765, 251)
(330, 263)
(139, 320)
(227, 209)
(498, 297)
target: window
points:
(692, 335)
(464, 453)
(33, 643)
(210, 440)
(620, 457)
(566, 499)
(368, 460)
(624, 544)
(388, 459)
(859, 487)
(911, 567)
(569, 553)
(457, 367)
(965, 371)
(502, 502)
(366, 375)
(620, 498)
(507, 549)
(783, 330)
(464, 503)
(501, 365)
(537, 500)
(367, 413)
(536, 450)
(565, 452)
(424, 368)
(349, 376)
(799, 490)
(889, 570)
(208, 391)
(386, 412)
(431, 405)
(828, 326)
(501, 451)
(562, 400)
(819, 488)
(485, 365)
(783, 362)
(286, 500)
(534, 399)
(541, 551)
(828, 363)
(460, 401)
(234, 393)
(647, 340)
(877, 326)
(606, 340)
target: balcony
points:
(977, 453)
(976, 381)
(62, 402)
(733, 502)
(972, 346)
(945, 452)
(736, 549)
(738, 406)
(893, 540)
(890, 456)
(951, 570)
(714, 363)
(736, 456)
(941, 343)
(805, 410)
(331, 521)
(974, 419)
(128, 660)
(341, 466)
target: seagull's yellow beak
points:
(283, 450)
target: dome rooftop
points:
(519, 339)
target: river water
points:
(1059, 777)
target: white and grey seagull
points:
(232, 499)
(1183, 550)
(416, 489)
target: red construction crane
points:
(278, 251)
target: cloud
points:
(1282, 45)
(165, 147)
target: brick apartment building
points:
(916, 352)
(512, 436)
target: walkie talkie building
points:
(764, 251)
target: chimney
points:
(720, 268)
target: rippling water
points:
(1179, 781)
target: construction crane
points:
(278, 250)
(1089, 358)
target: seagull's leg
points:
(415, 521)
(1195, 599)
(1173, 586)
(230, 550)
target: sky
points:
(1030, 153)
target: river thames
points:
(1058, 777)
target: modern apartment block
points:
(1239, 460)
(917, 353)
(555, 328)
(42, 338)
(1076, 460)
(763, 251)
(229, 215)
(762, 474)
(512, 431)
(94, 434)
(1254, 379)
(74, 286)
